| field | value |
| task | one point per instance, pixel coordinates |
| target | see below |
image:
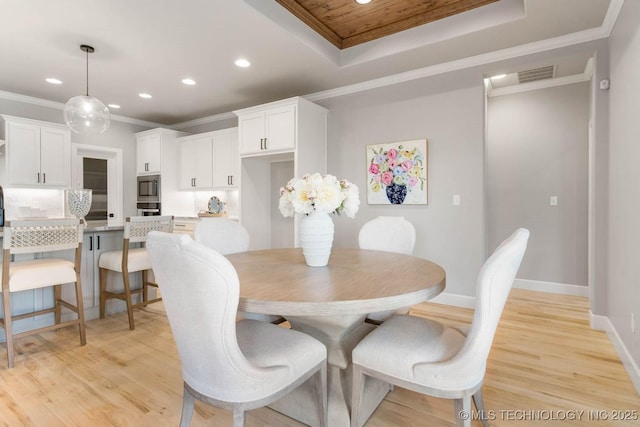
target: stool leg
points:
(103, 288)
(127, 295)
(8, 330)
(80, 307)
(57, 294)
(145, 288)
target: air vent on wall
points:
(536, 74)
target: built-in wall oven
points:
(149, 195)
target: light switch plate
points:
(456, 200)
(553, 201)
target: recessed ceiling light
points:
(145, 95)
(243, 63)
(189, 82)
(54, 81)
(363, 1)
(115, 106)
(498, 76)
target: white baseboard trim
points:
(602, 323)
(551, 287)
(455, 300)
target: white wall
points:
(623, 291)
(537, 147)
(449, 112)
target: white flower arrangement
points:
(319, 193)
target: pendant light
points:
(85, 114)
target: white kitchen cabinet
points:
(267, 130)
(149, 153)
(185, 225)
(196, 162)
(226, 159)
(94, 244)
(163, 144)
(296, 144)
(38, 154)
(209, 160)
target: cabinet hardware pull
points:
(90, 243)
(38, 177)
(44, 178)
(261, 142)
(194, 182)
(98, 242)
(265, 143)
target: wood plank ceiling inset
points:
(346, 23)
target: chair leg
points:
(127, 296)
(8, 329)
(188, 401)
(320, 382)
(57, 295)
(238, 417)
(80, 308)
(463, 407)
(145, 288)
(356, 393)
(103, 289)
(478, 401)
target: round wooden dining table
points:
(331, 303)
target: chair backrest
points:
(42, 235)
(222, 234)
(492, 289)
(200, 290)
(136, 228)
(389, 234)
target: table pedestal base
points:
(340, 335)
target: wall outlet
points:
(456, 200)
(553, 201)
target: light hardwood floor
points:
(545, 362)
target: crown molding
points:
(204, 120)
(60, 106)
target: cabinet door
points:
(196, 162)
(281, 128)
(24, 153)
(226, 160)
(149, 154)
(252, 133)
(203, 165)
(186, 173)
(94, 244)
(55, 157)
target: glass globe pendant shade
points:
(86, 115)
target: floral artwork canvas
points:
(397, 173)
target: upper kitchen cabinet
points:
(226, 159)
(275, 127)
(209, 160)
(196, 162)
(37, 154)
(278, 141)
(149, 153)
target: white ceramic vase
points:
(316, 238)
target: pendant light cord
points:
(87, 52)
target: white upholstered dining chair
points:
(35, 237)
(389, 234)
(228, 237)
(430, 358)
(131, 260)
(237, 365)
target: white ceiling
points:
(151, 45)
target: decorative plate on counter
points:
(215, 205)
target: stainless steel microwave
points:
(149, 188)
